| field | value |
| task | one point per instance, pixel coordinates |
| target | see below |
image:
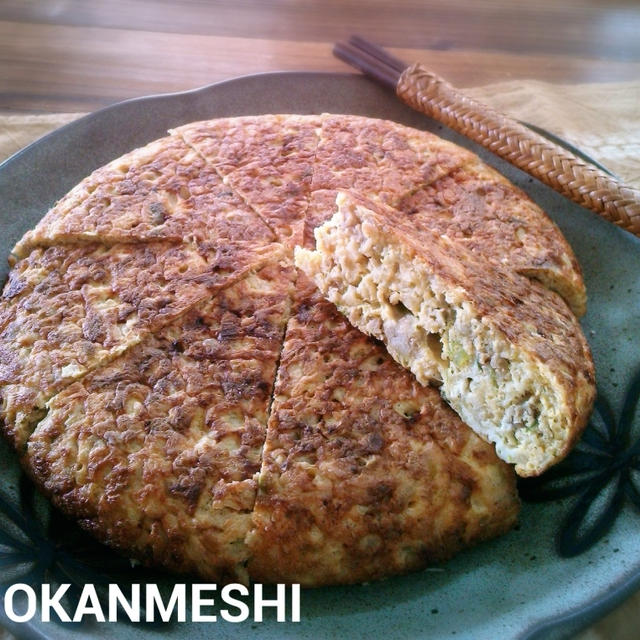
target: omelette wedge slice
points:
(365, 473)
(508, 353)
(156, 453)
(68, 310)
(268, 160)
(164, 191)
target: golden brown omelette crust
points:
(477, 207)
(70, 309)
(365, 473)
(164, 191)
(156, 452)
(101, 354)
(268, 160)
(380, 158)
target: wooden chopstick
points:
(369, 64)
(378, 52)
(558, 168)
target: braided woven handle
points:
(556, 167)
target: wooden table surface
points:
(79, 55)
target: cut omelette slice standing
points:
(508, 353)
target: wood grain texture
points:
(585, 26)
(73, 55)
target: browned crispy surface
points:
(379, 158)
(68, 310)
(533, 319)
(445, 187)
(164, 191)
(478, 208)
(268, 160)
(158, 368)
(231, 143)
(156, 452)
(365, 473)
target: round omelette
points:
(170, 379)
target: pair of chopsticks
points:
(541, 158)
(371, 59)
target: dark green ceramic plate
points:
(576, 553)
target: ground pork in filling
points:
(431, 329)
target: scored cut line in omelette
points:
(380, 158)
(57, 325)
(268, 160)
(156, 452)
(163, 191)
(441, 185)
(479, 208)
(362, 477)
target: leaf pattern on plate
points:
(602, 473)
(39, 545)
